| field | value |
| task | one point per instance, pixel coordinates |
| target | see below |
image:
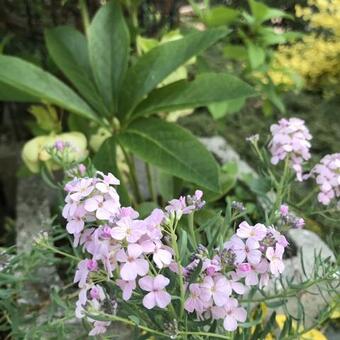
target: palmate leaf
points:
(173, 149)
(109, 44)
(207, 88)
(68, 49)
(156, 65)
(32, 81)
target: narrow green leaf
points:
(173, 149)
(207, 88)
(33, 81)
(156, 65)
(109, 43)
(68, 49)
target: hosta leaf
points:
(109, 43)
(33, 81)
(207, 88)
(173, 149)
(68, 49)
(156, 65)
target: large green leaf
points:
(173, 149)
(68, 49)
(109, 44)
(9, 94)
(207, 88)
(156, 65)
(33, 81)
(105, 160)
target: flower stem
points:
(150, 183)
(180, 272)
(84, 15)
(191, 229)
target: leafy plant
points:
(252, 46)
(114, 90)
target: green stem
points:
(206, 334)
(180, 272)
(191, 229)
(307, 197)
(132, 176)
(280, 190)
(85, 15)
(150, 183)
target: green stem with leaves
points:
(85, 15)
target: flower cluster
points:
(290, 219)
(290, 138)
(117, 241)
(133, 253)
(251, 256)
(327, 174)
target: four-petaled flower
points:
(157, 295)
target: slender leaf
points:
(262, 12)
(173, 149)
(207, 88)
(109, 43)
(68, 49)
(156, 65)
(33, 81)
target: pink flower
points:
(157, 296)
(161, 256)
(231, 314)
(133, 265)
(249, 250)
(83, 270)
(194, 302)
(284, 210)
(100, 327)
(104, 209)
(290, 138)
(251, 275)
(257, 232)
(275, 257)
(327, 174)
(127, 287)
(81, 188)
(279, 238)
(216, 289)
(77, 223)
(128, 229)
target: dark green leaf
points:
(9, 93)
(68, 49)
(109, 44)
(173, 149)
(237, 52)
(33, 81)
(207, 88)
(256, 55)
(156, 65)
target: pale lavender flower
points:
(256, 232)
(157, 295)
(327, 174)
(127, 287)
(231, 313)
(275, 259)
(290, 138)
(133, 265)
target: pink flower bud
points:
(92, 265)
(244, 267)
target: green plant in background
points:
(112, 90)
(250, 48)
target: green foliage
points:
(107, 89)
(170, 147)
